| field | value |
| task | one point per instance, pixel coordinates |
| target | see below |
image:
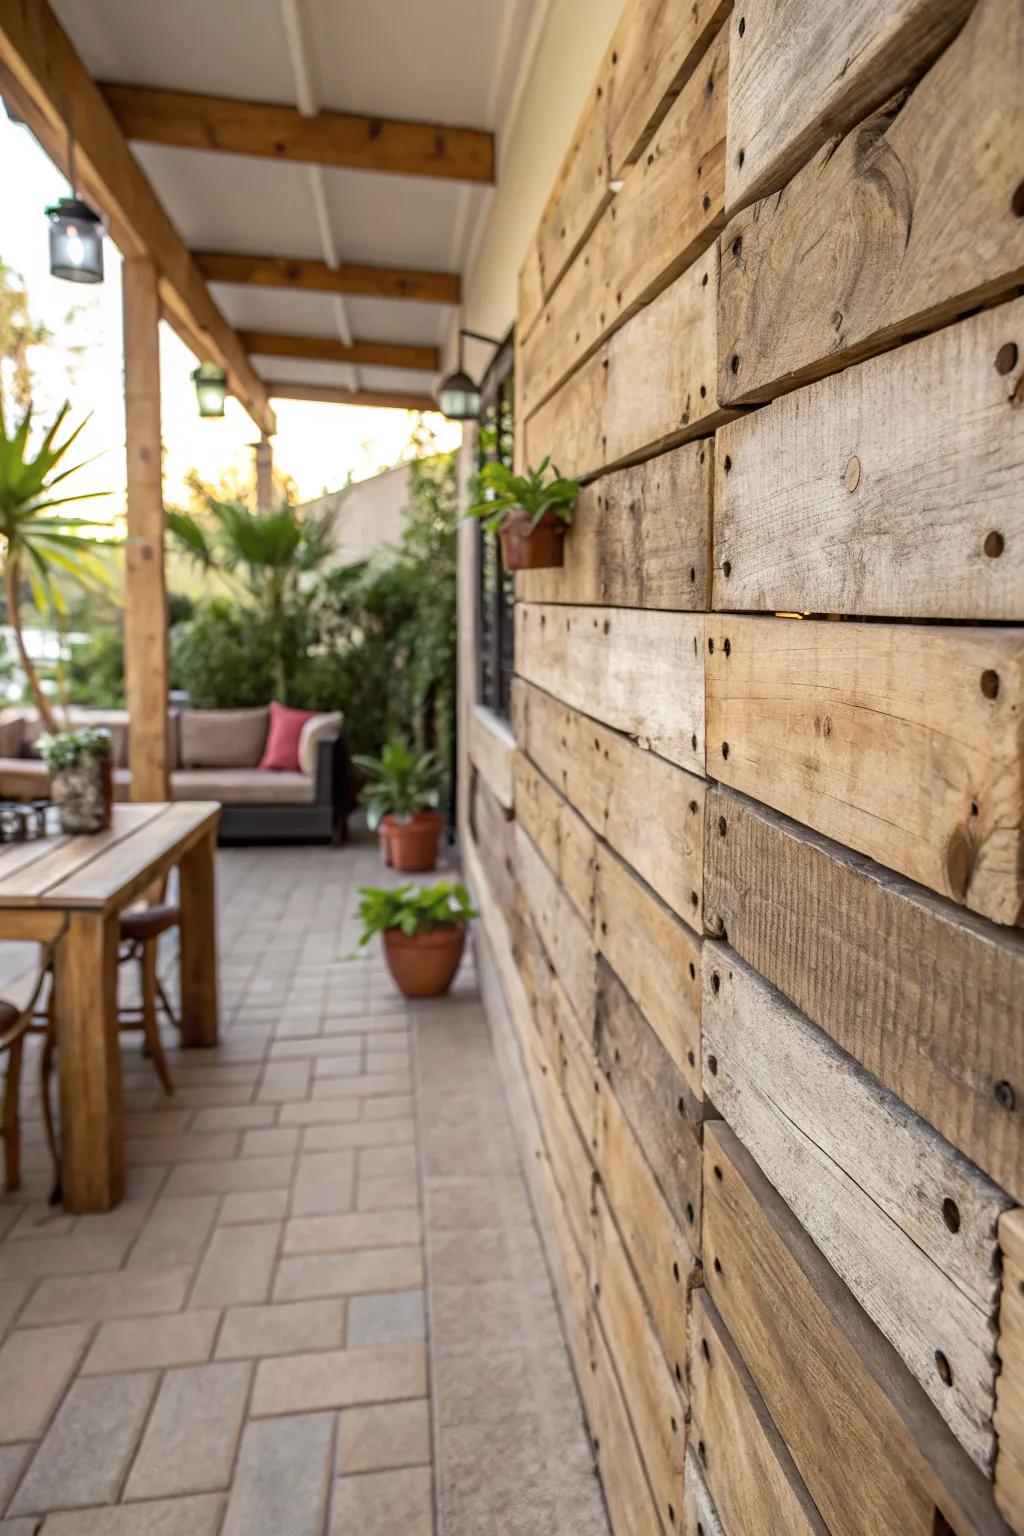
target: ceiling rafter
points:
(330, 395)
(46, 81)
(347, 140)
(328, 349)
(318, 277)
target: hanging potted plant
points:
(530, 512)
(424, 932)
(81, 777)
(400, 797)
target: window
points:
(496, 592)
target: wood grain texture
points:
(89, 1063)
(188, 120)
(328, 349)
(654, 1400)
(669, 209)
(639, 672)
(872, 1450)
(318, 277)
(700, 1517)
(803, 70)
(200, 979)
(567, 844)
(655, 1241)
(903, 743)
(581, 193)
(651, 386)
(640, 538)
(1009, 1470)
(924, 995)
(657, 959)
(631, 1505)
(648, 810)
(665, 1116)
(146, 655)
(333, 394)
(906, 224)
(903, 1218)
(896, 487)
(493, 832)
(566, 938)
(491, 750)
(749, 1472)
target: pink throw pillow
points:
(281, 753)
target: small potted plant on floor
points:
(531, 513)
(400, 796)
(424, 930)
(81, 777)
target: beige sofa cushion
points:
(317, 729)
(12, 732)
(221, 738)
(242, 786)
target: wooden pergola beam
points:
(187, 120)
(328, 349)
(48, 84)
(318, 277)
(327, 394)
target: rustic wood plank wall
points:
(750, 851)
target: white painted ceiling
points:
(447, 61)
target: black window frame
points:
(495, 625)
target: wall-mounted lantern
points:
(458, 397)
(211, 385)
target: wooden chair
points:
(141, 931)
(15, 1024)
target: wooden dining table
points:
(69, 892)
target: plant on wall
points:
(531, 512)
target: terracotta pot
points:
(424, 965)
(385, 842)
(537, 549)
(412, 845)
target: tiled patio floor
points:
(322, 1308)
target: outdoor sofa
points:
(215, 755)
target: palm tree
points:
(40, 542)
(270, 551)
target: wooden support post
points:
(145, 599)
(264, 455)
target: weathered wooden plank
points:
(639, 671)
(491, 749)
(700, 1517)
(665, 1116)
(567, 844)
(565, 937)
(910, 221)
(803, 70)
(493, 833)
(657, 959)
(669, 209)
(545, 997)
(924, 995)
(748, 1470)
(654, 1238)
(631, 1505)
(903, 1218)
(914, 461)
(650, 386)
(571, 1164)
(1009, 1471)
(581, 1080)
(573, 1269)
(640, 538)
(654, 1400)
(649, 811)
(529, 302)
(872, 1450)
(657, 46)
(581, 193)
(901, 742)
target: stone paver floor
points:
(248, 1344)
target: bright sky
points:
(317, 444)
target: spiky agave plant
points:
(40, 542)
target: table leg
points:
(89, 1063)
(199, 980)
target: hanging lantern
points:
(211, 385)
(458, 397)
(76, 241)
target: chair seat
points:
(9, 1014)
(149, 922)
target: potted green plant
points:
(81, 777)
(424, 932)
(531, 513)
(400, 796)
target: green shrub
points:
(222, 657)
